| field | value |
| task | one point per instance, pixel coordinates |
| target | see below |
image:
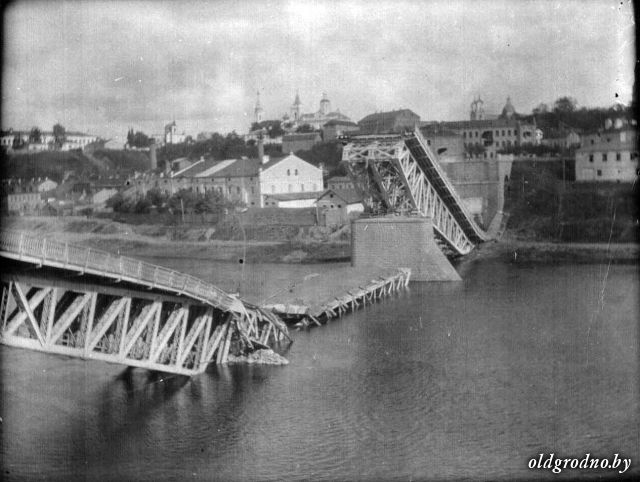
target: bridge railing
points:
(80, 258)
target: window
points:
(273, 188)
(604, 157)
(288, 172)
(339, 205)
(590, 157)
(503, 133)
(618, 156)
(296, 172)
(464, 135)
(599, 172)
(428, 142)
(302, 187)
(476, 133)
(592, 142)
(290, 187)
(497, 133)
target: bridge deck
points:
(109, 315)
(48, 252)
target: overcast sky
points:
(100, 67)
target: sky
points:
(102, 67)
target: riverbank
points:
(512, 249)
(152, 241)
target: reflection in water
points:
(447, 380)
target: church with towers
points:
(296, 117)
(486, 135)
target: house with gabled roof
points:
(339, 206)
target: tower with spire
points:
(295, 108)
(477, 109)
(325, 104)
(258, 112)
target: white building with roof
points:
(608, 155)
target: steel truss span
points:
(139, 327)
(401, 174)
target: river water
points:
(445, 381)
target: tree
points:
(59, 134)
(542, 108)
(130, 137)
(305, 128)
(140, 139)
(35, 136)
(565, 105)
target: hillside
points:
(54, 165)
(544, 208)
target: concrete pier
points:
(400, 242)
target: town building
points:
(340, 183)
(316, 119)
(18, 196)
(446, 143)
(389, 122)
(338, 206)
(609, 154)
(291, 200)
(484, 136)
(19, 142)
(336, 128)
(562, 138)
(302, 141)
(246, 181)
(171, 135)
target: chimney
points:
(152, 155)
(260, 148)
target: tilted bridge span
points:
(121, 310)
(399, 173)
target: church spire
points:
(258, 111)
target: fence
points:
(79, 258)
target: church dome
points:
(508, 111)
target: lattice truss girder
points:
(390, 180)
(166, 336)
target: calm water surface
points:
(446, 381)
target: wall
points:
(291, 174)
(397, 242)
(478, 179)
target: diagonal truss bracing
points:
(132, 329)
(401, 174)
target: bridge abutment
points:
(400, 242)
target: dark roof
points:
(339, 179)
(197, 167)
(292, 196)
(350, 196)
(385, 116)
(339, 122)
(480, 124)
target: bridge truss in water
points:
(401, 174)
(121, 310)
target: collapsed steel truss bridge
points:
(121, 310)
(401, 174)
